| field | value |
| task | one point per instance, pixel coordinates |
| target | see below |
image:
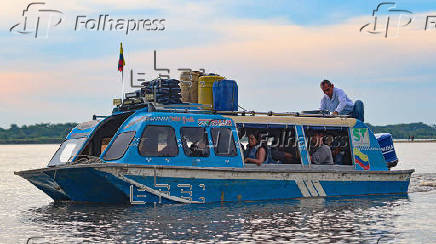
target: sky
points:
(277, 51)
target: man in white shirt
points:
(337, 102)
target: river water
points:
(26, 212)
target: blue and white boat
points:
(150, 155)
(146, 152)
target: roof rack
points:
(271, 113)
(174, 108)
(95, 117)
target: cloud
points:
(337, 50)
(279, 66)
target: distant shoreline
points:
(31, 141)
(59, 141)
(415, 141)
(47, 133)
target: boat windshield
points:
(67, 151)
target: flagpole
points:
(122, 85)
(121, 64)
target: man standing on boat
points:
(337, 102)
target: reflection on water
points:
(27, 212)
(306, 220)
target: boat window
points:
(223, 142)
(120, 145)
(195, 141)
(66, 151)
(158, 141)
(279, 142)
(328, 145)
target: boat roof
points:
(295, 120)
(256, 118)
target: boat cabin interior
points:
(281, 145)
(103, 135)
(337, 138)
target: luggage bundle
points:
(189, 86)
(164, 91)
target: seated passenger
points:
(321, 153)
(199, 149)
(338, 155)
(284, 156)
(255, 153)
(170, 148)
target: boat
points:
(150, 153)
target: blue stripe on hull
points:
(214, 190)
(345, 188)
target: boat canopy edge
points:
(348, 122)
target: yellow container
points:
(205, 84)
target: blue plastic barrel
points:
(387, 147)
(225, 95)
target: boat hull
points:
(139, 184)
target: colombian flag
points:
(361, 159)
(121, 61)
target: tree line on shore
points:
(47, 133)
(418, 130)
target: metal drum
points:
(205, 92)
(225, 95)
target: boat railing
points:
(95, 117)
(181, 108)
(86, 159)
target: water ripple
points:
(26, 212)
